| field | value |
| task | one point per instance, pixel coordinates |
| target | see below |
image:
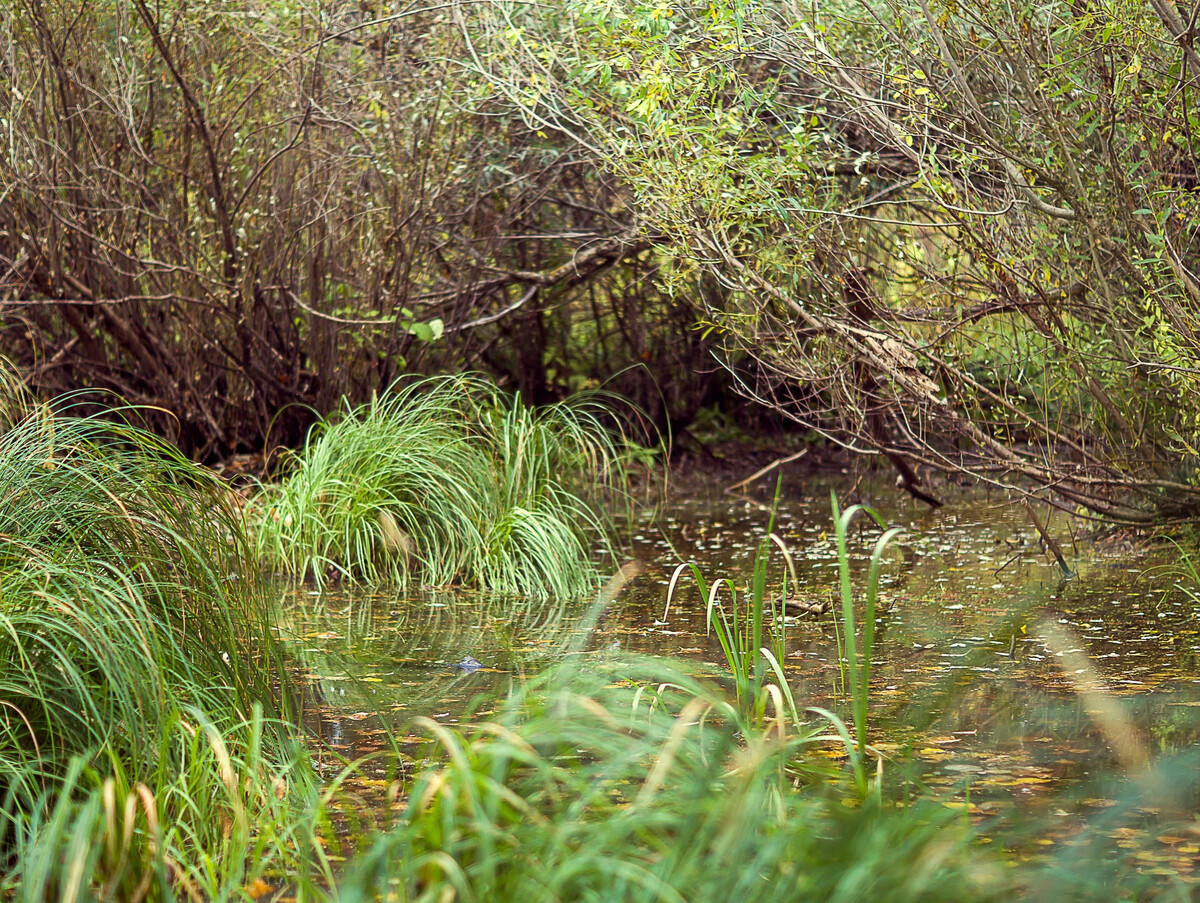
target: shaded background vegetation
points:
(958, 239)
(226, 211)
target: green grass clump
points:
(127, 590)
(132, 623)
(582, 790)
(221, 814)
(447, 480)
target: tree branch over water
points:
(949, 236)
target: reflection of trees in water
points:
(373, 661)
(441, 626)
(346, 635)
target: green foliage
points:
(752, 637)
(447, 480)
(136, 661)
(857, 661)
(958, 228)
(578, 791)
(126, 591)
(217, 813)
(749, 633)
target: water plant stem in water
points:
(856, 665)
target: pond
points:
(1016, 691)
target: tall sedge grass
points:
(580, 790)
(855, 664)
(126, 590)
(136, 661)
(221, 814)
(751, 630)
(448, 481)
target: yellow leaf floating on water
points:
(1015, 782)
(258, 888)
(932, 752)
(828, 753)
(1151, 856)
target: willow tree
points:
(235, 214)
(959, 236)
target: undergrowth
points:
(446, 481)
(145, 745)
(136, 660)
(587, 788)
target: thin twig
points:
(758, 473)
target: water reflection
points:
(963, 679)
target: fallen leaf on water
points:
(932, 752)
(1015, 782)
(1150, 856)
(258, 888)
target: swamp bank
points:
(773, 698)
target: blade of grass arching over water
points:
(862, 697)
(854, 750)
(841, 522)
(858, 676)
(759, 590)
(730, 635)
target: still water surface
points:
(965, 683)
